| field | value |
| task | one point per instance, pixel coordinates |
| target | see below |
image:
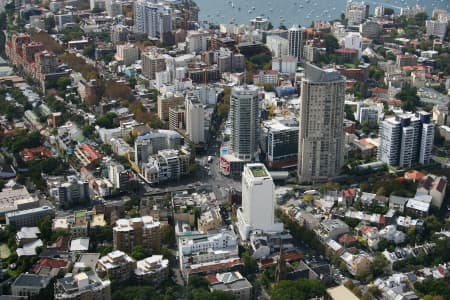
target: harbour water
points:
(288, 12)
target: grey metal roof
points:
(316, 74)
(31, 280)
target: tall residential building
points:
(379, 11)
(356, 12)
(321, 131)
(282, 142)
(260, 23)
(411, 11)
(113, 8)
(127, 54)
(406, 139)
(142, 231)
(154, 141)
(152, 63)
(278, 45)
(258, 202)
(197, 41)
(118, 175)
(177, 117)
(244, 117)
(70, 192)
(195, 119)
(166, 102)
(436, 28)
(153, 18)
(167, 165)
(296, 39)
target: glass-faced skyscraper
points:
(296, 38)
(244, 117)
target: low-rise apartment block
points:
(143, 231)
(116, 265)
(152, 270)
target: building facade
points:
(406, 139)
(143, 231)
(258, 202)
(296, 39)
(321, 132)
(195, 119)
(244, 116)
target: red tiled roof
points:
(367, 229)
(293, 256)
(414, 175)
(217, 267)
(378, 90)
(33, 153)
(90, 152)
(51, 263)
(349, 193)
(211, 278)
(347, 50)
(267, 262)
(366, 143)
(346, 238)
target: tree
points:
(21, 139)
(432, 224)
(63, 82)
(89, 51)
(3, 21)
(107, 120)
(360, 89)
(49, 23)
(250, 263)
(349, 113)
(168, 235)
(104, 250)
(388, 11)
(298, 290)
(357, 291)
(379, 265)
(138, 252)
(198, 282)
(45, 227)
(433, 287)
(136, 293)
(308, 198)
(106, 149)
(349, 284)
(331, 43)
(409, 98)
(203, 294)
(367, 296)
(132, 82)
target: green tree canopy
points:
(45, 226)
(331, 43)
(409, 98)
(107, 120)
(302, 289)
(138, 252)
